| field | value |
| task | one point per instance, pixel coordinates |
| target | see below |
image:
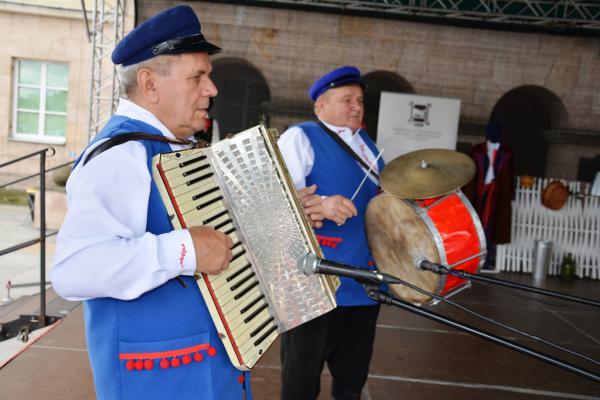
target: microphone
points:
(311, 264)
(424, 264)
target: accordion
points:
(240, 186)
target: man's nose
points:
(210, 90)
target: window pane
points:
(55, 125)
(57, 75)
(27, 122)
(56, 100)
(30, 72)
(29, 98)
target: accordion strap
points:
(127, 137)
(348, 149)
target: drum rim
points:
(478, 228)
(437, 238)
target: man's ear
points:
(319, 105)
(146, 80)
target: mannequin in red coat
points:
(492, 189)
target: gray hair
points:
(127, 75)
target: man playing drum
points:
(333, 155)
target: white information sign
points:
(409, 122)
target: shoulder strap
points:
(126, 137)
(348, 149)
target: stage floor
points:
(414, 358)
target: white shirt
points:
(299, 155)
(491, 149)
(102, 248)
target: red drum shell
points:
(444, 230)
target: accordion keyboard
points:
(240, 187)
(236, 295)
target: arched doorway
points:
(524, 113)
(377, 82)
(242, 92)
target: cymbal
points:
(423, 174)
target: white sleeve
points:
(103, 249)
(298, 154)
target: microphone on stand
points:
(424, 264)
(311, 264)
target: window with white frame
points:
(40, 101)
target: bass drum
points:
(443, 230)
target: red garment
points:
(493, 201)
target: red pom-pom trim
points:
(212, 351)
(175, 362)
(148, 364)
(139, 365)
(198, 357)
(130, 365)
(186, 359)
(164, 364)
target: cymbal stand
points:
(443, 269)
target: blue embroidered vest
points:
(162, 345)
(336, 172)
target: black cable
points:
(499, 324)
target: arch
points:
(242, 92)
(524, 113)
(377, 82)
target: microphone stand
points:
(382, 297)
(443, 269)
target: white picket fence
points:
(573, 229)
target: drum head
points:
(398, 236)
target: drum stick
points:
(366, 175)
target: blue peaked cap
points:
(338, 77)
(173, 31)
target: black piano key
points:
(255, 313)
(198, 179)
(261, 327)
(194, 170)
(238, 272)
(206, 192)
(252, 303)
(241, 282)
(211, 219)
(266, 335)
(192, 161)
(246, 290)
(238, 255)
(207, 203)
(222, 224)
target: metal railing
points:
(40, 320)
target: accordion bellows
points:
(240, 186)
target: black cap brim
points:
(205, 47)
(187, 44)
